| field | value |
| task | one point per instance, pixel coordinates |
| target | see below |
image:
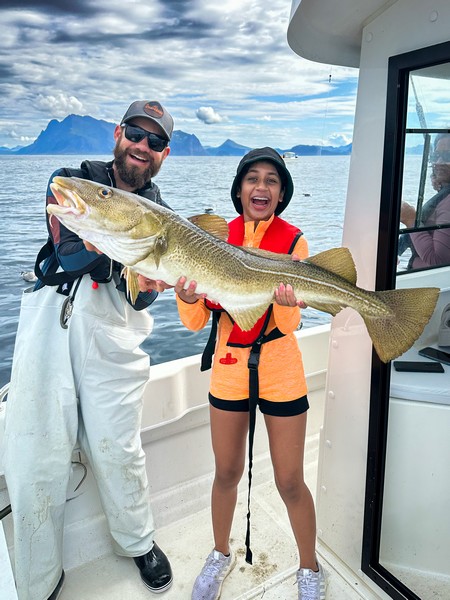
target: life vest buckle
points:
(253, 359)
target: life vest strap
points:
(208, 351)
(253, 364)
(253, 398)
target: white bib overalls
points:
(82, 383)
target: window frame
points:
(399, 70)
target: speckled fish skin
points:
(154, 241)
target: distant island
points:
(85, 135)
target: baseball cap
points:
(152, 110)
(272, 156)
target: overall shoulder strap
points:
(45, 252)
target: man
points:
(78, 374)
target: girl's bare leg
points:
(229, 436)
(287, 443)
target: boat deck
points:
(188, 541)
(180, 500)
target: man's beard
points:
(134, 176)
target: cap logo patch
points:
(154, 109)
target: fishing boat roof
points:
(330, 32)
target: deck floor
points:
(187, 543)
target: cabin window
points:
(406, 544)
(424, 232)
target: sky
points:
(223, 68)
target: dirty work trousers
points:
(82, 383)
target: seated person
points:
(431, 247)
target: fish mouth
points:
(69, 202)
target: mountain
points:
(73, 135)
(85, 135)
(186, 144)
(302, 150)
(6, 150)
(228, 148)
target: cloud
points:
(208, 115)
(339, 139)
(60, 105)
(51, 6)
(231, 59)
(18, 137)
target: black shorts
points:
(274, 409)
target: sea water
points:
(190, 185)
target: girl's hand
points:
(284, 296)
(187, 295)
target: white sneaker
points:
(311, 585)
(208, 584)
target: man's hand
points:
(91, 247)
(147, 285)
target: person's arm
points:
(78, 257)
(433, 247)
(70, 251)
(194, 314)
(407, 215)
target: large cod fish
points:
(151, 240)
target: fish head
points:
(106, 216)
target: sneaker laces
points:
(309, 584)
(214, 566)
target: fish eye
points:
(105, 193)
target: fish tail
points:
(411, 309)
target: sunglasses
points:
(444, 156)
(136, 134)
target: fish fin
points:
(131, 280)
(247, 317)
(159, 249)
(337, 260)
(411, 310)
(333, 309)
(265, 253)
(212, 224)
